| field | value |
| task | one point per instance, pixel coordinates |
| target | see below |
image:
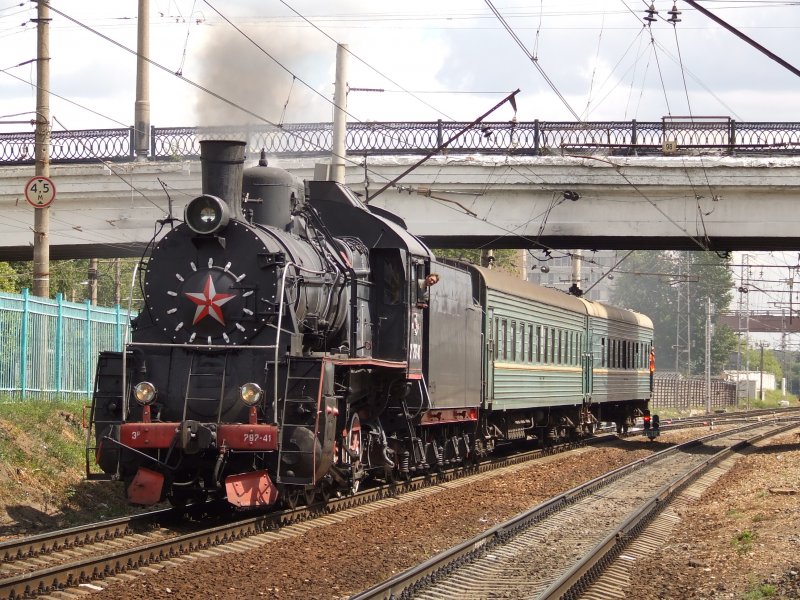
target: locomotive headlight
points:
(206, 214)
(144, 392)
(250, 393)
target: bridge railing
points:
(674, 135)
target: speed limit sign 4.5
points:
(40, 191)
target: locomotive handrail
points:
(124, 391)
(204, 346)
(279, 328)
(677, 135)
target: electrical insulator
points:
(651, 13)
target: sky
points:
(448, 59)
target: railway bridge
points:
(716, 185)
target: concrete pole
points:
(339, 149)
(708, 355)
(93, 281)
(41, 218)
(117, 282)
(746, 267)
(141, 120)
(761, 374)
(678, 348)
(577, 263)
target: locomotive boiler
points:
(294, 342)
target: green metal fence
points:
(48, 348)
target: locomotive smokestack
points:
(223, 164)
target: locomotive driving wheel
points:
(292, 496)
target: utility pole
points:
(339, 149)
(784, 381)
(761, 373)
(117, 283)
(487, 258)
(92, 280)
(688, 317)
(575, 283)
(708, 355)
(141, 119)
(678, 328)
(41, 218)
(683, 321)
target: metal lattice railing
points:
(675, 135)
(50, 347)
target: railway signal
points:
(651, 425)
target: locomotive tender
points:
(289, 348)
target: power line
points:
(205, 89)
(531, 57)
(362, 61)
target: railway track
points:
(54, 561)
(556, 549)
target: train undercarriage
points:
(339, 423)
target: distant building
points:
(559, 272)
(749, 382)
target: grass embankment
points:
(42, 467)
(772, 399)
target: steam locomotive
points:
(294, 344)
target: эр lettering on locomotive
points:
(293, 343)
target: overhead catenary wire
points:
(532, 58)
(365, 63)
(208, 91)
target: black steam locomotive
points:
(295, 342)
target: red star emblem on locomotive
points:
(208, 303)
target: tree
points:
(8, 278)
(506, 260)
(662, 285)
(771, 362)
(71, 278)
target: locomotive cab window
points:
(393, 276)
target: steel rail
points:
(45, 543)
(575, 581)
(95, 567)
(403, 584)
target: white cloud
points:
(446, 46)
